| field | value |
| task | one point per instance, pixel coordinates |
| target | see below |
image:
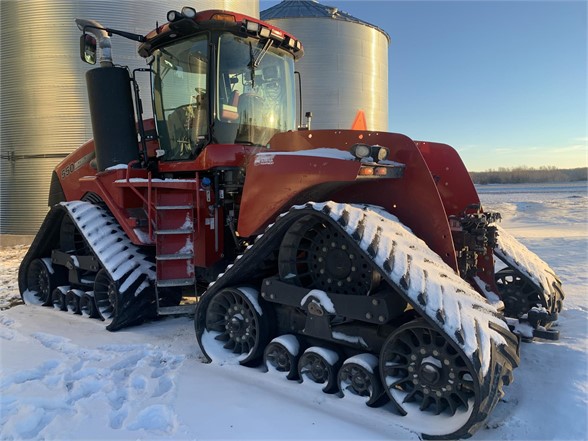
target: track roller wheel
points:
(106, 294)
(42, 279)
(235, 330)
(72, 300)
(88, 305)
(359, 376)
(518, 293)
(58, 298)
(320, 365)
(425, 376)
(282, 355)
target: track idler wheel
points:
(236, 328)
(42, 279)
(359, 376)
(426, 377)
(282, 355)
(320, 365)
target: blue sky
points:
(504, 82)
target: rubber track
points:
(433, 289)
(515, 254)
(118, 255)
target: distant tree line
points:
(525, 175)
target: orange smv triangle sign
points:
(359, 122)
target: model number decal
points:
(263, 159)
(70, 168)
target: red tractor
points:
(359, 260)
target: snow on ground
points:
(65, 377)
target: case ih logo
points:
(264, 159)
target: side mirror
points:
(88, 48)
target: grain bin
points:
(44, 111)
(345, 63)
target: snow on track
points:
(519, 256)
(111, 245)
(444, 296)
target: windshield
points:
(255, 97)
(181, 104)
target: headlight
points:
(381, 153)
(173, 16)
(188, 12)
(361, 151)
(375, 152)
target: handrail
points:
(147, 201)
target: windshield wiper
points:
(254, 60)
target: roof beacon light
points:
(188, 12)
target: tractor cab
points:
(217, 78)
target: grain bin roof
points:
(312, 9)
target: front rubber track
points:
(131, 309)
(256, 264)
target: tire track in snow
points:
(135, 384)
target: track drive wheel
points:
(41, 281)
(236, 328)
(424, 375)
(320, 365)
(316, 255)
(359, 376)
(106, 294)
(282, 355)
(71, 239)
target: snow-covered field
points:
(65, 377)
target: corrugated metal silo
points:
(345, 63)
(44, 111)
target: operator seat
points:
(187, 124)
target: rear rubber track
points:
(121, 262)
(528, 285)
